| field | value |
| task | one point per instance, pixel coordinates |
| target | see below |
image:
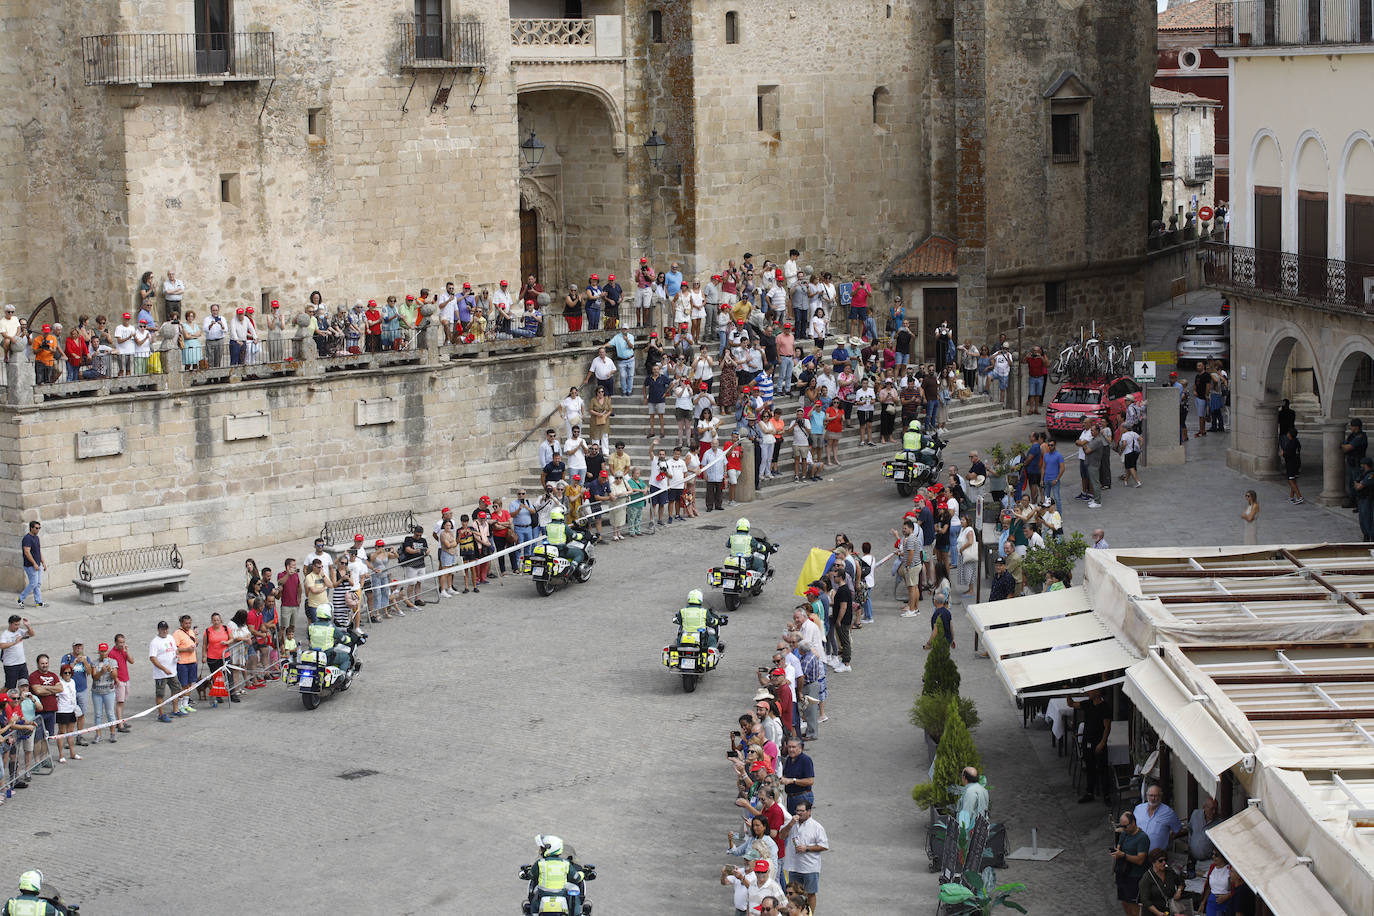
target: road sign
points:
(1205, 214)
(1161, 356)
(1143, 370)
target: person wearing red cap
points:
(467, 311)
(758, 884)
(372, 327)
(446, 307)
(500, 305)
(593, 299)
(238, 337)
(124, 345)
(45, 350)
(645, 278)
(407, 311)
(611, 295)
(104, 674)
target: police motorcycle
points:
(739, 575)
(557, 880)
(919, 463)
(565, 556)
(697, 648)
(36, 895)
(328, 663)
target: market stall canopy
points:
(1257, 852)
(1182, 721)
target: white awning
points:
(1182, 722)
(1026, 671)
(1267, 863)
(1031, 607)
(1045, 634)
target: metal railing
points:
(381, 525)
(440, 45)
(124, 562)
(552, 32)
(1261, 23)
(1330, 282)
(168, 57)
(1166, 168)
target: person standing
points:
(1128, 862)
(1097, 728)
(1250, 517)
(173, 293)
(806, 840)
(81, 668)
(12, 654)
(1037, 370)
(1354, 448)
(34, 565)
(187, 670)
(713, 469)
(1291, 453)
(1129, 443)
(120, 653)
(104, 676)
(1364, 497)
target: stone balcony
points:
(560, 40)
(148, 58)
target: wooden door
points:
(1359, 249)
(529, 245)
(1268, 236)
(1312, 243)
(941, 306)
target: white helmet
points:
(550, 844)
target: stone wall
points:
(224, 469)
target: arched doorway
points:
(578, 192)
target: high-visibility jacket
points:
(553, 874)
(741, 545)
(692, 618)
(28, 905)
(911, 441)
(557, 533)
(322, 636)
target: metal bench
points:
(139, 569)
(337, 534)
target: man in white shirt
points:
(603, 367)
(677, 480)
(9, 329)
(162, 652)
(173, 290)
(238, 337)
(789, 269)
(810, 633)
(447, 306)
(802, 857)
(713, 469)
(319, 553)
(500, 304)
(575, 452)
(216, 329)
(124, 345)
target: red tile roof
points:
(1197, 15)
(937, 256)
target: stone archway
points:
(542, 194)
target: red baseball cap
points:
(778, 671)
(380, 543)
(276, 304)
(611, 278)
(745, 388)
(644, 260)
(504, 283)
(484, 500)
(761, 865)
(703, 386)
(739, 321)
(249, 310)
(715, 276)
(605, 473)
(48, 327)
(357, 538)
(653, 333)
(127, 315)
(467, 286)
(778, 272)
(593, 277)
(410, 298)
(577, 477)
(787, 324)
(103, 647)
(445, 509)
(372, 303)
(682, 324)
(238, 311)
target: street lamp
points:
(532, 150)
(654, 147)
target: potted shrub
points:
(1004, 460)
(930, 711)
(1057, 555)
(955, 752)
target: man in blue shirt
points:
(1034, 467)
(624, 345)
(798, 776)
(1052, 468)
(672, 281)
(32, 550)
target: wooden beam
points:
(1361, 678)
(1316, 594)
(1274, 715)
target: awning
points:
(1032, 607)
(1183, 723)
(1026, 671)
(1045, 634)
(1267, 863)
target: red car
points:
(1075, 402)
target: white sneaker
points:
(911, 613)
(1092, 504)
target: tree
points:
(1156, 195)
(955, 752)
(1057, 555)
(941, 674)
(930, 710)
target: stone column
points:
(171, 356)
(546, 323)
(1161, 428)
(19, 376)
(744, 490)
(1254, 438)
(1333, 463)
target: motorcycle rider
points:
(743, 544)
(696, 617)
(28, 903)
(911, 439)
(335, 642)
(569, 540)
(551, 875)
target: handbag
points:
(155, 363)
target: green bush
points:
(941, 674)
(931, 709)
(955, 752)
(1060, 556)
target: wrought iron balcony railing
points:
(1346, 284)
(1266, 23)
(132, 58)
(429, 44)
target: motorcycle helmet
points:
(31, 882)
(694, 597)
(742, 526)
(914, 426)
(552, 845)
(323, 612)
(556, 515)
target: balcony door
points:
(213, 36)
(429, 30)
(1268, 236)
(1312, 243)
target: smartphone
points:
(1111, 849)
(732, 754)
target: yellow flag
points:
(812, 569)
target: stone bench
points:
(139, 569)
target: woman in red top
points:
(75, 349)
(373, 318)
(215, 650)
(1036, 369)
(834, 425)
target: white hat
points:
(977, 480)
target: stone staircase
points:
(630, 424)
